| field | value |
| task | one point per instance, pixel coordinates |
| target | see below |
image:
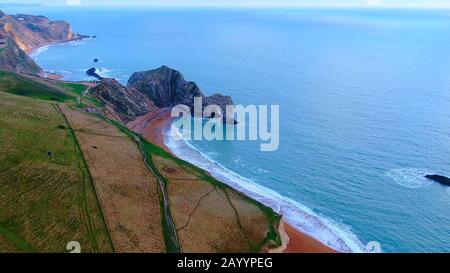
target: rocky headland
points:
(151, 90)
(20, 34)
(122, 103)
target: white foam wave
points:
(75, 43)
(412, 178)
(103, 72)
(329, 232)
(38, 51)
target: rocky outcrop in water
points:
(92, 72)
(439, 179)
(124, 103)
(21, 33)
(167, 87)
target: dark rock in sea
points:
(167, 87)
(93, 73)
(81, 36)
(95, 36)
(122, 102)
(439, 179)
(95, 60)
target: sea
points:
(364, 97)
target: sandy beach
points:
(152, 127)
(54, 76)
(34, 50)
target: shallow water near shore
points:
(364, 100)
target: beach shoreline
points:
(34, 51)
(152, 127)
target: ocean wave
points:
(38, 51)
(333, 234)
(74, 43)
(103, 72)
(412, 178)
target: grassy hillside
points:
(17, 84)
(126, 189)
(45, 201)
(151, 200)
(200, 207)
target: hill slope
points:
(46, 201)
(34, 87)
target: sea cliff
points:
(20, 34)
(151, 90)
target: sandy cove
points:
(33, 50)
(152, 127)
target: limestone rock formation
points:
(167, 88)
(126, 104)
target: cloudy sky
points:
(256, 3)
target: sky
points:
(247, 3)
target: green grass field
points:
(76, 88)
(45, 201)
(29, 87)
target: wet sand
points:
(152, 127)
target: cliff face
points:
(122, 102)
(167, 88)
(30, 31)
(15, 59)
(22, 33)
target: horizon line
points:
(299, 6)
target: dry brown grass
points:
(126, 189)
(211, 217)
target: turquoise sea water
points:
(364, 97)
